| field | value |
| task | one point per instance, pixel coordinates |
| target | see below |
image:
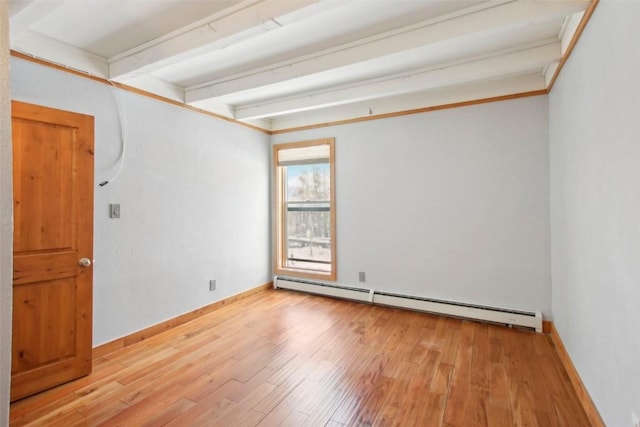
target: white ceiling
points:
(282, 64)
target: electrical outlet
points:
(212, 284)
(361, 277)
(635, 421)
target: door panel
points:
(43, 148)
(53, 229)
(47, 321)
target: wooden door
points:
(53, 231)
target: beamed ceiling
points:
(281, 64)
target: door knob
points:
(84, 262)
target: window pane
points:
(308, 182)
(309, 239)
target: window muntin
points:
(305, 243)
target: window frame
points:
(280, 213)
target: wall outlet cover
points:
(361, 276)
(212, 284)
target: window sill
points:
(306, 274)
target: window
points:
(305, 209)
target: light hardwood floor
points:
(285, 358)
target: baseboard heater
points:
(525, 319)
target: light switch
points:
(114, 210)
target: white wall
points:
(6, 218)
(451, 204)
(194, 195)
(595, 208)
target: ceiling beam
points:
(413, 102)
(251, 18)
(502, 65)
(493, 20)
(43, 47)
(155, 86)
(28, 12)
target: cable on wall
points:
(122, 117)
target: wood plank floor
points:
(285, 358)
